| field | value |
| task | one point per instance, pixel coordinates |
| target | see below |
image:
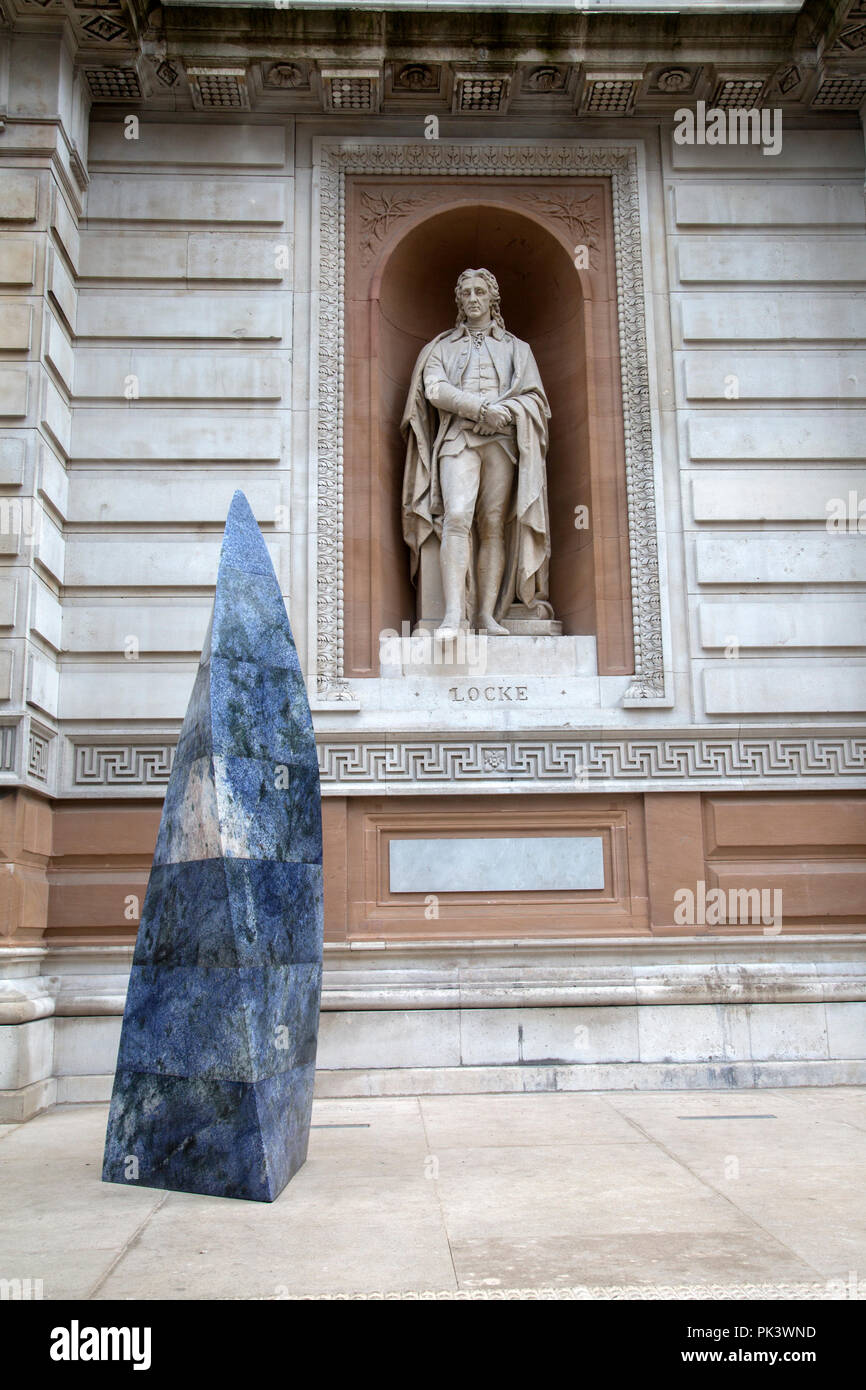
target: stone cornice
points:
(278, 58)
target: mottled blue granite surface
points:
(214, 1081)
(219, 1138)
(231, 912)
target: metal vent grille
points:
(475, 91)
(609, 95)
(741, 93)
(219, 89)
(840, 91)
(352, 90)
(113, 84)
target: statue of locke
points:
(475, 477)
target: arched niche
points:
(400, 299)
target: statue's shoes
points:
(446, 633)
(489, 624)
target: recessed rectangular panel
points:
(497, 864)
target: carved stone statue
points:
(475, 484)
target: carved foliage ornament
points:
(546, 79)
(789, 78)
(853, 38)
(416, 77)
(167, 73)
(101, 26)
(619, 163)
(582, 218)
(378, 212)
(285, 75)
(675, 80)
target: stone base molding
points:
(612, 1076)
(524, 1015)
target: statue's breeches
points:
(460, 436)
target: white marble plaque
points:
(497, 865)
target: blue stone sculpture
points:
(214, 1082)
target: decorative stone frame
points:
(618, 161)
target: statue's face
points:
(475, 298)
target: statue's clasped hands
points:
(493, 419)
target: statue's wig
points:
(490, 281)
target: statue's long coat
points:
(527, 529)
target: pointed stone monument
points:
(214, 1082)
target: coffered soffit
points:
(622, 62)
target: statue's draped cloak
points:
(527, 527)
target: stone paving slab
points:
(605, 1195)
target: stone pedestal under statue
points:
(517, 619)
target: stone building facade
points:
(225, 232)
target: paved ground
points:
(472, 1195)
